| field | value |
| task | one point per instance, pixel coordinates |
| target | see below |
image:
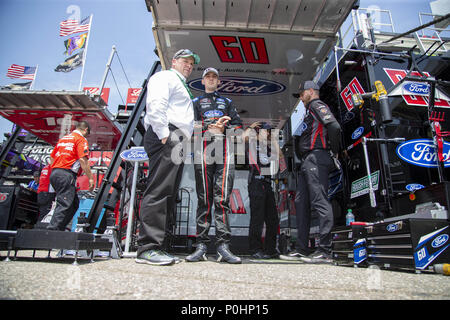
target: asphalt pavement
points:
(25, 278)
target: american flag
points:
(73, 26)
(21, 72)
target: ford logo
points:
(439, 241)
(242, 86)
(416, 88)
(421, 152)
(357, 133)
(134, 154)
(213, 114)
(392, 227)
(414, 186)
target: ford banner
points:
(422, 153)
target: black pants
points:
(214, 184)
(67, 202)
(44, 201)
(312, 199)
(263, 209)
(159, 200)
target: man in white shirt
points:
(169, 117)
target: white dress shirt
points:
(168, 101)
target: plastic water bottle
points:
(349, 218)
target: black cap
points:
(305, 86)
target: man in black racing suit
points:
(316, 147)
(216, 118)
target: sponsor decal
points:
(242, 86)
(416, 88)
(439, 241)
(392, 227)
(354, 87)
(430, 247)
(415, 93)
(213, 114)
(359, 251)
(357, 133)
(134, 154)
(361, 186)
(421, 152)
(414, 186)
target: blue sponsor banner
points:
(421, 152)
(242, 86)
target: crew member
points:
(263, 208)
(68, 159)
(216, 120)
(45, 192)
(317, 146)
(169, 117)
(33, 185)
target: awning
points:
(51, 114)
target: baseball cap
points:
(208, 70)
(305, 86)
(185, 53)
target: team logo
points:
(421, 152)
(242, 86)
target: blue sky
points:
(30, 37)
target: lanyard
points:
(184, 84)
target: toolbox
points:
(411, 244)
(348, 245)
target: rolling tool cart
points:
(349, 245)
(409, 244)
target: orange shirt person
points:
(68, 159)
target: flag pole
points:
(34, 78)
(85, 52)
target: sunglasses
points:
(184, 53)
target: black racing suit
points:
(263, 208)
(321, 134)
(214, 165)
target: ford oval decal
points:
(416, 88)
(439, 241)
(213, 114)
(414, 186)
(392, 227)
(357, 133)
(421, 152)
(242, 86)
(134, 154)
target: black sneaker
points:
(259, 255)
(155, 257)
(319, 256)
(293, 256)
(199, 254)
(224, 254)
